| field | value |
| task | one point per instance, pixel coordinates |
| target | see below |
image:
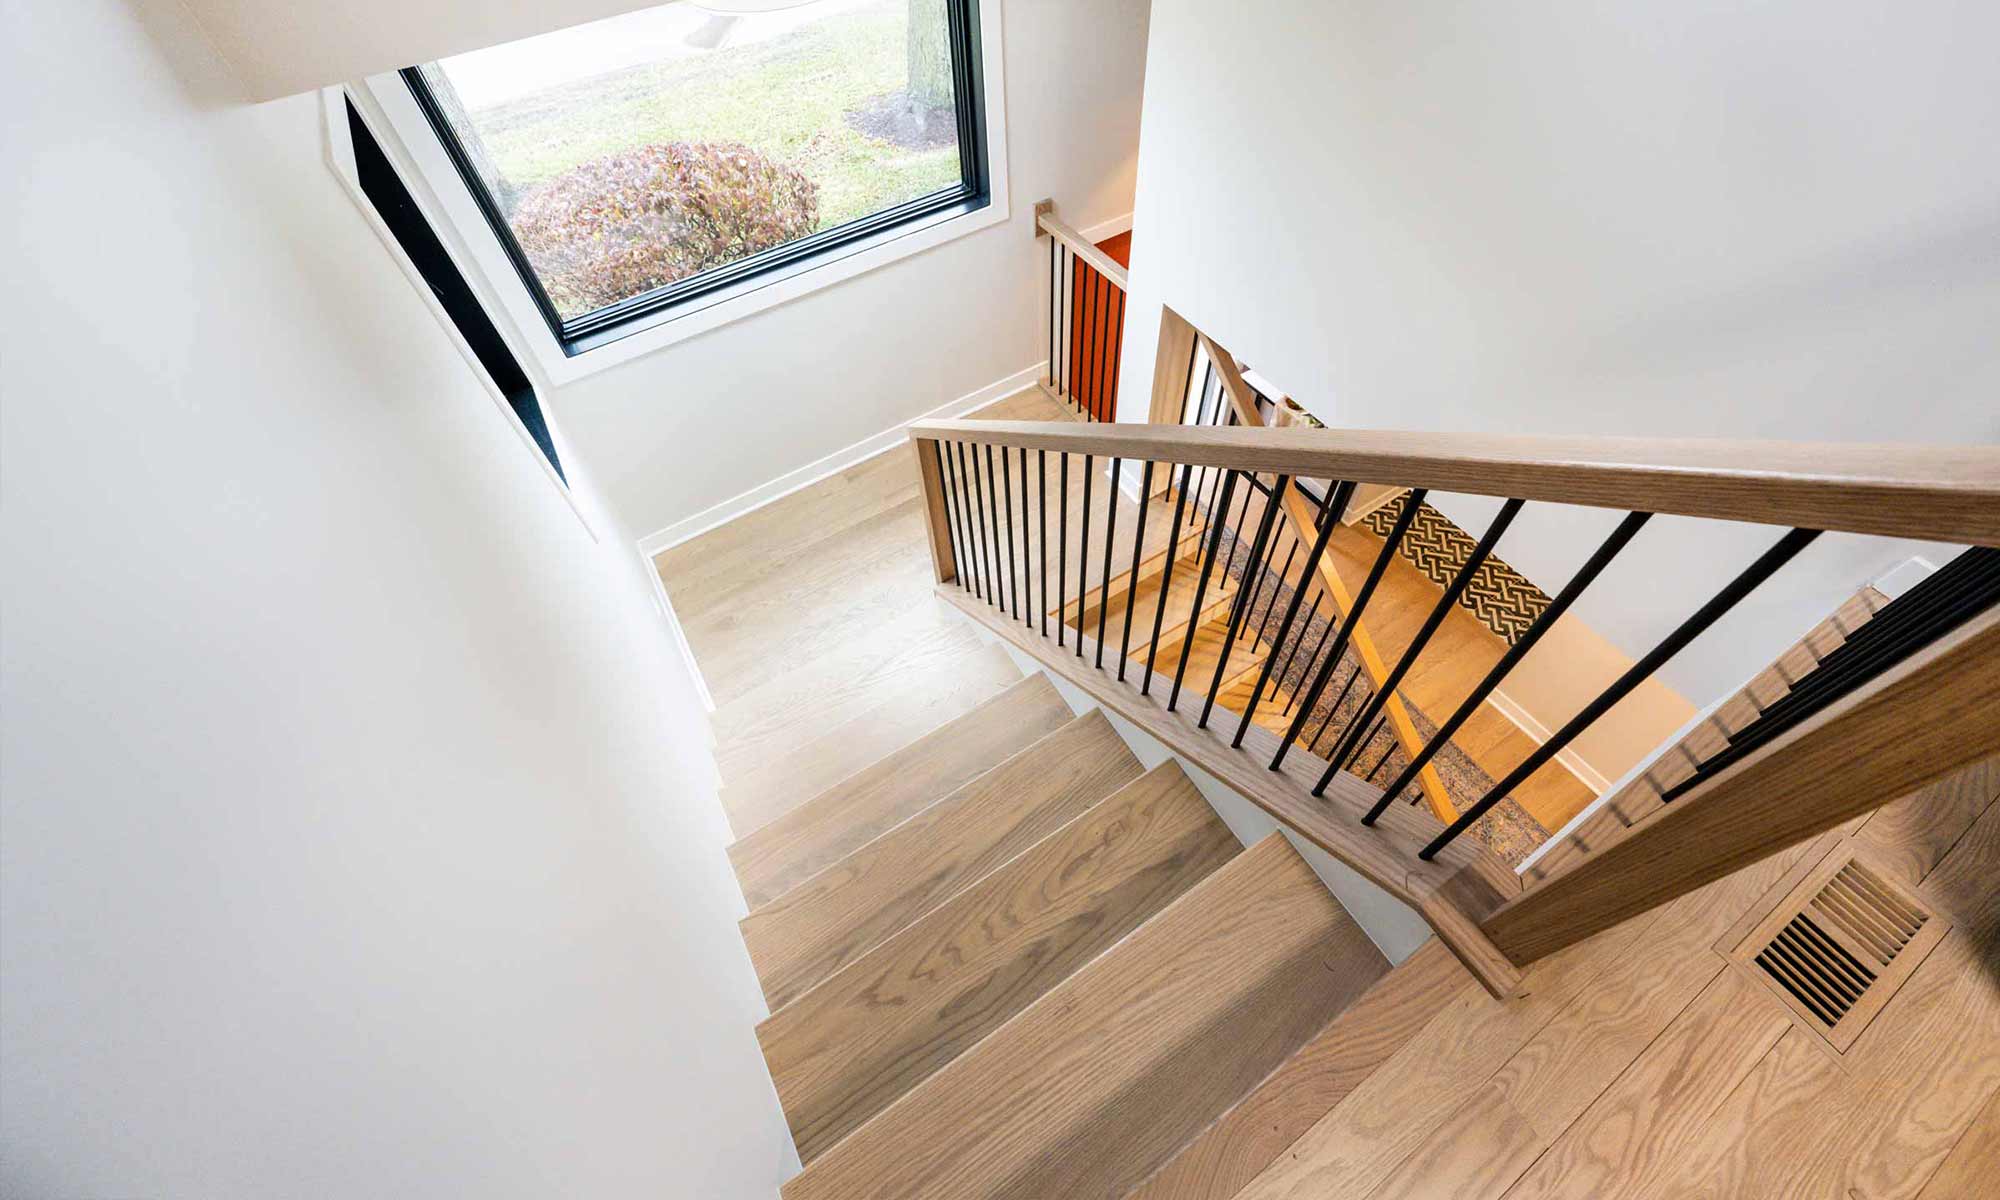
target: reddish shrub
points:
(633, 221)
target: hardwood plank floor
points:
(844, 911)
(1099, 1082)
(1661, 1072)
(891, 790)
(886, 1022)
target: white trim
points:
(1619, 784)
(1108, 228)
(338, 142)
(387, 102)
(666, 607)
(1586, 774)
(784, 485)
(1903, 576)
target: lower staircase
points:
(1009, 960)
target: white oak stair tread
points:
(844, 911)
(1145, 602)
(849, 1047)
(755, 797)
(1208, 638)
(1102, 1080)
(874, 800)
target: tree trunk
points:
(930, 55)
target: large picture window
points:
(633, 164)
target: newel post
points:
(937, 516)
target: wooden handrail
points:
(1080, 246)
(1939, 493)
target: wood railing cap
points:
(1941, 493)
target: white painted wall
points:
(703, 421)
(359, 834)
(1705, 218)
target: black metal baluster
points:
(1007, 493)
(1292, 610)
(1584, 577)
(992, 489)
(1411, 503)
(1110, 535)
(1386, 752)
(1244, 596)
(1881, 641)
(947, 482)
(1105, 365)
(1277, 582)
(1332, 623)
(1083, 551)
(1068, 323)
(1767, 564)
(1132, 576)
(1312, 743)
(1055, 305)
(1350, 745)
(1235, 533)
(1200, 593)
(1117, 352)
(1062, 553)
(975, 532)
(1042, 533)
(1975, 584)
(1028, 605)
(1166, 577)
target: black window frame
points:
(607, 324)
(390, 197)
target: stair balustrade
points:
(1205, 618)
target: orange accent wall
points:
(1097, 307)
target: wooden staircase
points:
(1007, 960)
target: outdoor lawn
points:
(797, 97)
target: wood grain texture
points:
(874, 800)
(1922, 719)
(1560, 1071)
(756, 793)
(1260, 1126)
(1967, 1172)
(1367, 1135)
(1966, 882)
(844, 911)
(1908, 838)
(1095, 1085)
(846, 1049)
(1646, 1118)
(1943, 493)
(1452, 892)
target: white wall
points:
(707, 419)
(359, 835)
(1705, 218)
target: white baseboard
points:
(784, 485)
(1586, 774)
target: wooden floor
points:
(1639, 1063)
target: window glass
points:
(653, 151)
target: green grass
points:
(787, 97)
